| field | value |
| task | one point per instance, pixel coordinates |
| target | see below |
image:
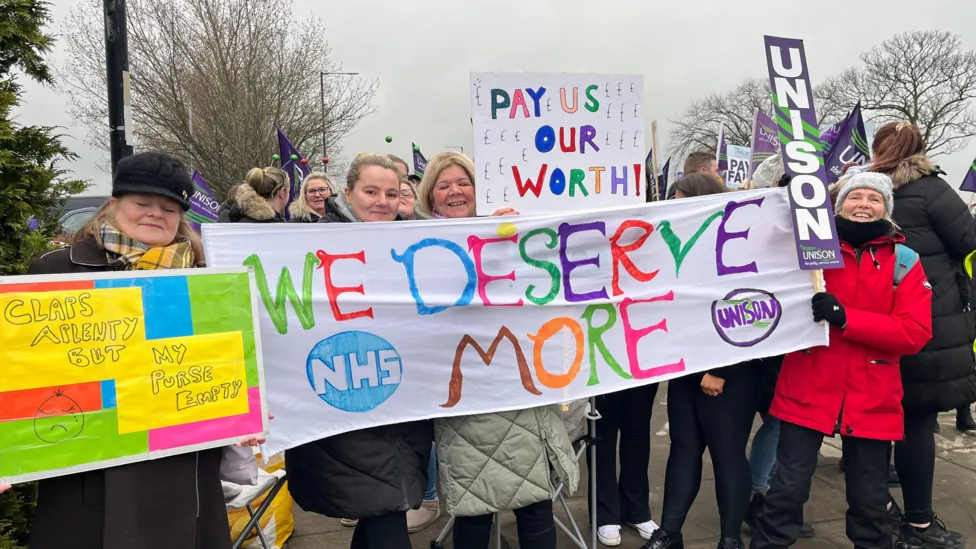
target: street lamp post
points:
(322, 75)
(117, 78)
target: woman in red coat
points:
(878, 308)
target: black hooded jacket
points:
(938, 226)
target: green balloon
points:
(294, 157)
(416, 149)
(389, 139)
(275, 157)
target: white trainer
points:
(645, 529)
(609, 535)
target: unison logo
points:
(354, 371)
(811, 254)
(746, 317)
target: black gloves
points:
(826, 307)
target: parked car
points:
(73, 220)
(77, 211)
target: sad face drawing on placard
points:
(59, 418)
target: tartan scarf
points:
(127, 254)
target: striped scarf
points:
(127, 254)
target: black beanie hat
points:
(153, 173)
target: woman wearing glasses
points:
(309, 207)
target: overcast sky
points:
(422, 51)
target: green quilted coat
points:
(503, 461)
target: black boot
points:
(964, 420)
(661, 540)
(730, 543)
(807, 531)
(752, 512)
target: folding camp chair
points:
(575, 535)
(268, 483)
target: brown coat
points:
(168, 503)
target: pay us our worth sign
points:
(376, 323)
(105, 369)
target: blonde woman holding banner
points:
(534, 451)
(159, 504)
(378, 474)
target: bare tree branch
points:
(213, 79)
(697, 128)
(924, 77)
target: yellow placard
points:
(182, 380)
(71, 336)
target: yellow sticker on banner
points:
(75, 336)
(183, 380)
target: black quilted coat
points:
(938, 226)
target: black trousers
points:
(915, 463)
(536, 528)
(627, 499)
(722, 424)
(383, 532)
(866, 477)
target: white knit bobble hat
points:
(868, 180)
(769, 172)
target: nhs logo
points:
(354, 371)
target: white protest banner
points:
(739, 159)
(367, 324)
(557, 142)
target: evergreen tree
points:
(31, 187)
(31, 184)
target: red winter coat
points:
(857, 378)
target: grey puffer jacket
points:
(503, 461)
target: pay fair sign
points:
(557, 142)
(369, 324)
(112, 368)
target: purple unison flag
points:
(203, 205)
(722, 151)
(419, 162)
(969, 184)
(662, 180)
(295, 168)
(765, 141)
(817, 246)
(851, 146)
(829, 135)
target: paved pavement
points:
(955, 499)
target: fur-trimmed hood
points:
(911, 169)
(251, 208)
